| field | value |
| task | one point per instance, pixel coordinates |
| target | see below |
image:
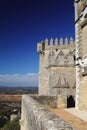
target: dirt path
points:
(71, 119)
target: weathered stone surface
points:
(81, 52)
(56, 70)
(36, 117)
(47, 101)
(84, 41)
(66, 85)
(83, 93)
(61, 102)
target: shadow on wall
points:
(70, 102)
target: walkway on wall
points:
(72, 119)
(79, 113)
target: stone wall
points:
(84, 41)
(62, 81)
(56, 61)
(47, 101)
(83, 94)
(81, 53)
(43, 76)
(82, 104)
(36, 117)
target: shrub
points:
(13, 125)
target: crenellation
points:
(61, 42)
(71, 41)
(39, 47)
(46, 43)
(59, 77)
(56, 41)
(57, 63)
(54, 45)
(66, 41)
(51, 42)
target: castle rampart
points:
(36, 117)
(55, 44)
(58, 77)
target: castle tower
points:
(56, 58)
(81, 53)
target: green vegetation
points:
(6, 110)
(13, 125)
(5, 113)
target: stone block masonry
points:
(36, 117)
(57, 75)
(81, 53)
(56, 62)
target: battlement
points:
(55, 44)
(56, 61)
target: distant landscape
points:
(10, 105)
(18, 90)
(14, 94)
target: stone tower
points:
(81, 53)
(56, 69)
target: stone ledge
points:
(37, 117)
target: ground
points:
(71, 119)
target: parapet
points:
(55, 44)
(36, 117)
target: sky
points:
(23, 23)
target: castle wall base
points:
(61, 102)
